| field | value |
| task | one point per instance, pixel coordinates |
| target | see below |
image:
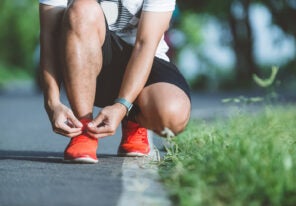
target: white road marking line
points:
(140, 179)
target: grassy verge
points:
(249, 159)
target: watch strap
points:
(125, 103)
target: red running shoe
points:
(134, 142)
(82, 149)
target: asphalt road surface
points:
(32, 171)
(31, 167)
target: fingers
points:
(101, 127)
(66, 134)
(65, 130)
(64, 121)
(101, 135)
(96, 122)
(101, 131)
(96, 132)
(75, 122)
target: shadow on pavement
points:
(38, 156)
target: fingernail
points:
(90, 124)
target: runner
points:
(110, 54)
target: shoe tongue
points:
(131, 124)
(84, 122)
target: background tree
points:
(234, 15)
(284, 15)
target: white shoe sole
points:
(85, 160)
(131, 154)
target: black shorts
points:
(116, 54)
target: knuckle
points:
(103, 113)
(112, 132)
(70, 135)
(113, 128)
(56, 125)
(69, 112)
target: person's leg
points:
(84, 32)
(83, 36)
(164, 108)
(163, 105)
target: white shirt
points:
(123, 17)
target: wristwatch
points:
(125, 103)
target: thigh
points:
(167, 72)
(109, 80)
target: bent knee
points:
(174, 119)
(175, 125)
(82, 15)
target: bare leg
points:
(163, 105)
(83, 35)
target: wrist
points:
(121, 108)
(124, 104)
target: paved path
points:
(32, 172)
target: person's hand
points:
(107, 121)
(63, 121)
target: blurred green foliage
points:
(234, 17)
(12, 74)
(190, 22)
(19, 25)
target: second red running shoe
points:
(134, 142)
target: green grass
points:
(248, 159)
